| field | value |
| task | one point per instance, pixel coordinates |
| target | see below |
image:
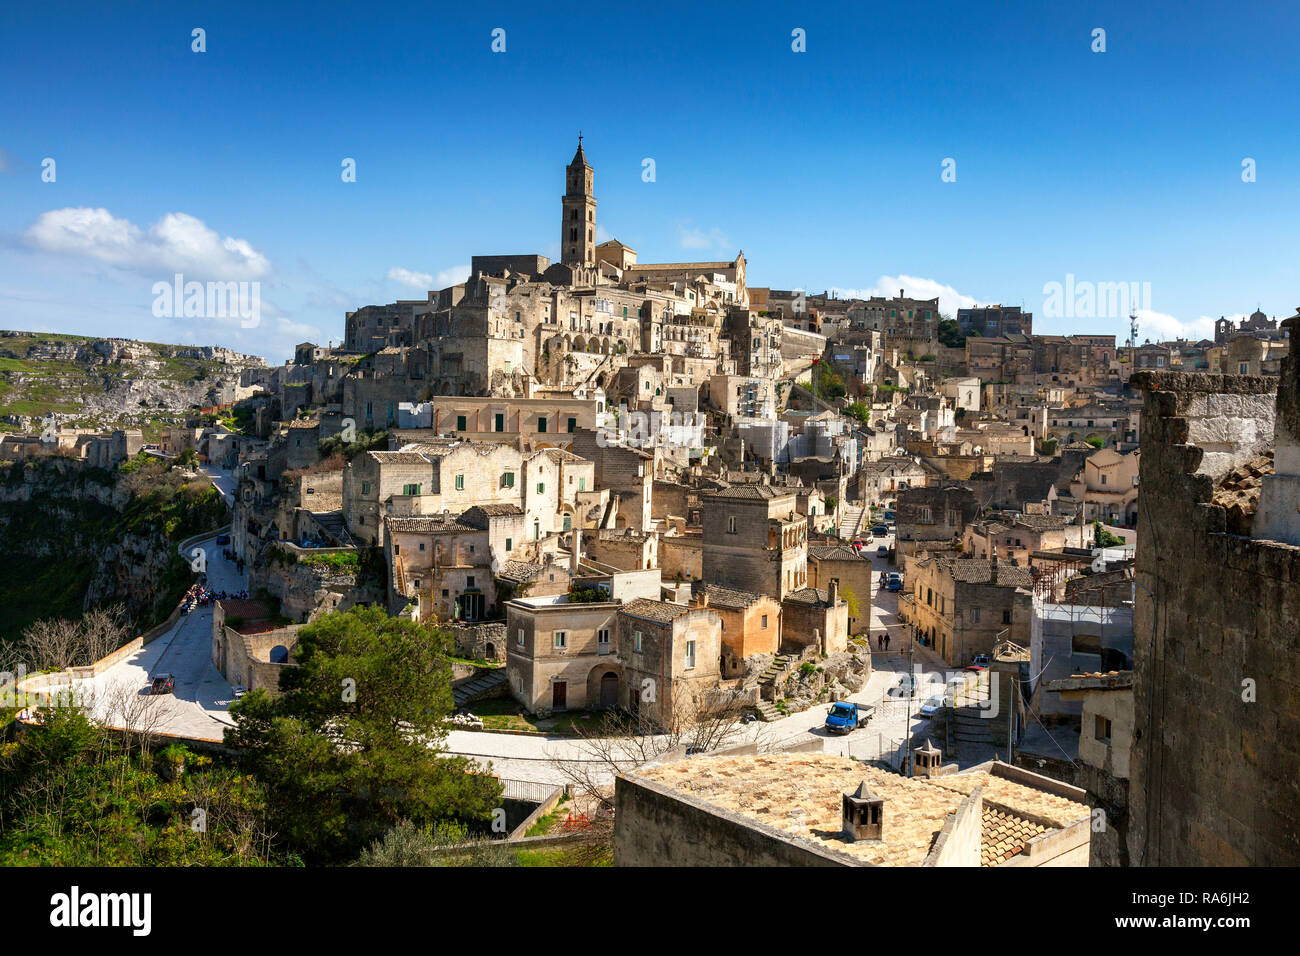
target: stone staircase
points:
(969, 732)
(480, 687)
(777, 669)
(767, 711)
(851, 521)
(332, 523)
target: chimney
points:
(575, 551)
(994, 557)
(926, 760)
(864, 815)
(704, 597)
(833, 592)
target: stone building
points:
(671, 657)
(815, 617)
(627, 474)
(851, 572)
(751, 624)
(899, 319)
(446, 565)
(1104, 702)
(964, 606)
(934, 518)
(1005, 358)
(540, 422)
(991, 321)
(578, 222)
(562, 655)
(881, 480)
(1107, 487)
(1216, 686)
(249, 647)
(1015, 538)
(427, 479)
(755, 540)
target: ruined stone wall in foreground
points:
(1215, 769)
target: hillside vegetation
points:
(73, 538)
(110, 382)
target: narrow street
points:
(198, 706)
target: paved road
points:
(525, 757)
(198, 708)
(224, 479)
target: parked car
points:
(882, 551)
(935, 704)
(894, 582)
(890, 515)
(879, 529)
(907, 686)
(240, 692)
(845, 717)
(223, 539)
(162, 684)
(980, 663)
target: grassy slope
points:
(53, 386)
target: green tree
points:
(949, 333)
(353, 745)
(859, 410)
(71, 794)
(851, 599)
(1103, 538)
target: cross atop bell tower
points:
(578, 223)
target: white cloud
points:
(416, 280)
(697, 238)
(1161, 327)
(914, 287)
(178, 242)
(298, 331)
(448, 277)
(425, 281)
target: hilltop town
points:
(1036, 568)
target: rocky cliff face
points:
(73, 538)
(113, 381)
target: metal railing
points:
(528, 790)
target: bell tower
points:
(578, 225)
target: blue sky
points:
(823, 166)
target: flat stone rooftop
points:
(800, 794)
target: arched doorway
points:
(609, 690)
